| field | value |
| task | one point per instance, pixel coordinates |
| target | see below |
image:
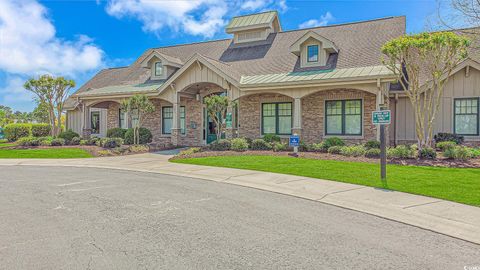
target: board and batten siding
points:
(74, 120)
(458, 86)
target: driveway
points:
(78, 218)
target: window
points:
(95, 122)
(277, 118)
(158, 69)
(466, 116)
(122, 119)
(167, 120)
(312, 53)
(343, 117)
(134, 118)
(182, 120)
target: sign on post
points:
(381, 117)
(294, 141)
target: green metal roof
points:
(123, 89)
(254, 19)
(344, 73)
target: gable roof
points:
(359, 45)
(257, 20)
(326, 43)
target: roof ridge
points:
(343, 24)
(114, 68)
(192, 43)
(251, 14)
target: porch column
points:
(86, 129)
(297, 117)
(176, 129)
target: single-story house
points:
(316, 82)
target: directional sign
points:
(294, 141)
(381, 117)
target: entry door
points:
(98, 122)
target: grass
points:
(45, 153)
(7, 144)
(453, 184)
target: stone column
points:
(176, 129)
(86, 130)
(297, 117)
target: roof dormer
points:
(313, 49)
(254, 27)
(161, 65)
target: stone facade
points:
(113, 117)
(313, 114)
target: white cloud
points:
(324, 20)
(13, 94)
(195, 17)
(29, 46)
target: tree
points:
(140, 107)
(40, 113)
(53, 92)
(217, 110)
(423, 64)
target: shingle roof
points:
(358, 43)
(123, 89)
(250, 20)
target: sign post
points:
(294, 142)
(382, 118)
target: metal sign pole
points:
(383, 153)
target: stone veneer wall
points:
(193, 115)
(313, 114)
(250, 113)
(112, 115)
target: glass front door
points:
(209, 128)
(95, 122)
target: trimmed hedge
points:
(145, 136)
(116, 133)
(14, 132)
(28, 141)
(41, 130)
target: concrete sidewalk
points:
(449, 218)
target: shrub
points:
(303, 147)
(270, 138)
(475, 152)
(239, 144)
(332, 141)
(317, 147)
(260, 144)
(352, 151)
(45, 141)
(75, 141)
(28, 141)
(443, 137)
(249, 141)
(220, 145)
(83, 142)
(442, 146)
(68, 135)
(401, 151)
(190, 151)
(41, 130)
(428, 153)
(145, 136)
(93, 140)
(110, 142)
(372, 153)
(337, 149)
(58, 142)
(138, 148)
(458, 152)
(14, 132)
(372, 145)
(278, 146)
(116, 133)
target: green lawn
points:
(459, 185)
(7, 144)
(45, 153)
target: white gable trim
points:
(326, 43)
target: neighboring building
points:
(317, 82)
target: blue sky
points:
(76, 39)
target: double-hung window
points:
(312, 53)
(167, 120)
(158, 69)
(277, 118)
(122, 119)
(343, 117)
(466, 116)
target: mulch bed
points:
(439, 162)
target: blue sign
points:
(294, 140)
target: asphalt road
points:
(79, 218)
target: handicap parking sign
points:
(294, 140)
